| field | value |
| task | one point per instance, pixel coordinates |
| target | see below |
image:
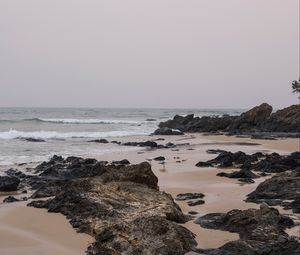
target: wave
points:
(15, 134)
(83, 121)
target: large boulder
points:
(121, 206)
(285, 120)
(261, 231)
(9, 183)
(252, 119)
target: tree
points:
(296, 88)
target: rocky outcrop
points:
(121, 206)
(9, 183)
(261, 232)
(256, 121)
(167, 131)
(283, 189)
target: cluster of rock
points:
(257, 120)
(149, 144)
(119, 205)
(282, 189)
(261, 231)
(192, 199)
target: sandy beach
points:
(25, 230)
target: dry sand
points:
(26, 230)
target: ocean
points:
(66, 131)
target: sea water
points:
(66, 131)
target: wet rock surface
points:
(253, 122)
(9, 183)
(261, 232)
(120, 205)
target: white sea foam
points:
(13, 134)
(86, 121)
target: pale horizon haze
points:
(148, 54)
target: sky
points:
(148, 53)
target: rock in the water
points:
(98, 141)
(35, 140)
(9, 183)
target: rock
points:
(188, 196)
(246, 180)
(15, 173)
(196, 202)
(276, 190)
(258, 122)
(116, 142)
(150, 119)
(244, 175)
(252, 119)
(160, 158)
(121, 206)
(98, 141)
(285, 120)
(150, 144)
(121, 162)
(35, 140)
(261, 231)
(167, 131)
(10, 199)
(9, 183)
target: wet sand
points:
(26, 230)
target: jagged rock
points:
(258, 120)
(277, 189)
(121, 207)
(9, 183)
(252, 119)
(261, 231)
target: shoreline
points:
(221, 194)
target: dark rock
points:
(121, 207)
(167, 131)
(196, 202)
(150, 144)
(160, 158)
(15, 173)
(188, 196)
(242, 174)
(256, 122)
(116, 142)
(121, 162)
(98, 141)
(35, 140)
(9, 183)
(246, 180)
(261, 232)
(10, 199)
(276, 190)
(151, 120)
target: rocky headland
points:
(260, 121)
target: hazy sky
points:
(154, 53)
